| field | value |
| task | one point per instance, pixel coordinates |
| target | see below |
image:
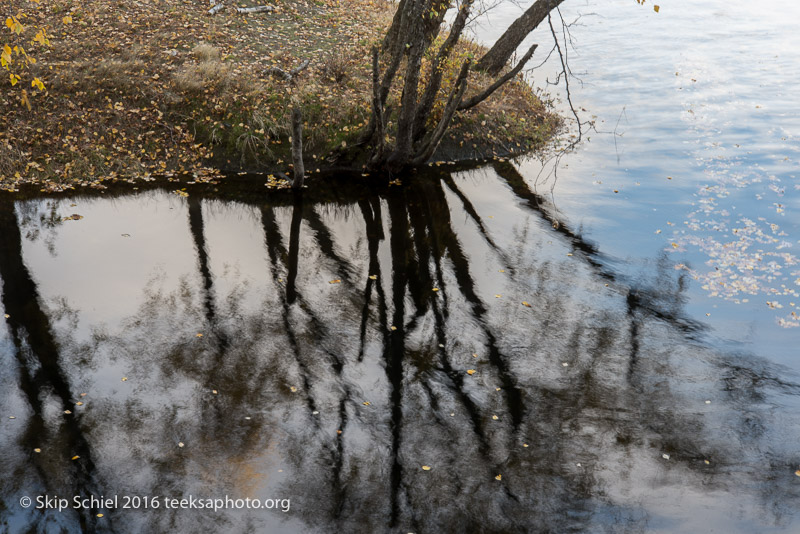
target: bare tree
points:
(406, 43)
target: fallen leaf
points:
(499, 477)
(525, 303)
(470, 372)
(337, 281)
(495, 417)
(181, 444)
(366, 403)
(75, 457)
(426, 468)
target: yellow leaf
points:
(436, 289)
(10, 23)
(499, 477)
(14, 79)
(366, 403)
(38, 84)
(525, 303)
(656, 8)
(426, 468)
(75, 457)
(67, 19)
(470, 372)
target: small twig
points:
(216, 9)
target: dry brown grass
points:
(140, 89)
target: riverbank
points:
(138, 90)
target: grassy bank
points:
(136, 89)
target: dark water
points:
(574, 402)
(316, 350)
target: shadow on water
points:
(397, 361)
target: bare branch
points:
(297, 148)
(460, 86)
(480, 97)
(435, 83)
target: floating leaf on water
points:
(470, 372)
(525, 445)
(495, 417)
(292, 389)
(393, 328)
(656, 8)
(75, 457)
(426, 468)
(708, 463)
(526, 304)
(499, 477)
(83, 394)
(199, 335)
(7, 316)
(366, 403)
(214, 391)
(11, 417)
(124, 378)
(564, 364)
(37, 450)
(99, 515)
(665, 456)
(435, 289)
(67, 412)
(373, 277)
(337, 281)
(498, 296)
(797, 472)
(181, 444)
(79, 403)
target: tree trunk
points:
(495, 59)
(297, 148)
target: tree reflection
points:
(337, 394)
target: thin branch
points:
(480, 97)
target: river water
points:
(611, 348)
